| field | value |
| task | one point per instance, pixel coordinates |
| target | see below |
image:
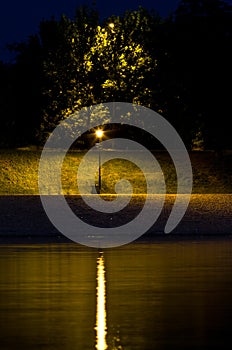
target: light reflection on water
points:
(101, 324)
(166, 295)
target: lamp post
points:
(99, 134)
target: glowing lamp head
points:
(99, 134)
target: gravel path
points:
(23, 217)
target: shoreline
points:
(23, 219)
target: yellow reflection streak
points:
(101, 326)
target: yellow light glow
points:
(101, 326)
(99, 133)
(111, 25)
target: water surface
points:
(142, 296)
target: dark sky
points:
(21, 18)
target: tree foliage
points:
(89, 63)
(180, 66)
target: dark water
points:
(165, 295)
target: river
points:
(174, 294)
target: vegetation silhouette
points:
(179, 66)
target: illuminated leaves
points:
(122, 63)
(89, 63)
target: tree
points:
(22, 94)
(179, 67)
(4, 102)
(121, 64)
(65, 43)
(88, 64)
(202, 37)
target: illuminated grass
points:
(19, 169)
(18, 174)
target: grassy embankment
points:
(18, 174)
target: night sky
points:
(21, 18)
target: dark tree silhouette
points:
(23, 94)
(180, 66)
(202, 56)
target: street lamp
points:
(99, 133)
